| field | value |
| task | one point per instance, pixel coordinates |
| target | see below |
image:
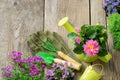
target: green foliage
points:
(78, 48)
(93, 32)
(88, 32)
(114, 27)
(72, 35)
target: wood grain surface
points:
(20, 18)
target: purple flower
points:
(38, 59)
(62, 72)
(65, 68)
(61, 68)
(64, 76)
(58, 66)
(3, 73)
(118, 0)
(50, 73)
(43, 66)
(32, 66)
(72, 74)
(11, 76)
(34, 71)
(71, 64)
(114, 10)
(22, 69)
(16, 60)
(49, 78)
(31, 59)
(35, 59)
(54, 65)
(23, 61)
(115, 3)
(17, 54)
(7, 71)
(8, 67)
(9, 56)
(111, 6)
(105, 3)
(66, 73)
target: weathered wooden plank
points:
(98, 16)
(18, 19)
(114, 64)
(57, 9)
(76, 10)
(97, 12)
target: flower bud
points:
(104, 31)
(101, 39)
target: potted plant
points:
(89, 42)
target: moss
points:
(114, 27)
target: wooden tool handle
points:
(67, 58)
(69, 64)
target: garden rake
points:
(44, 41)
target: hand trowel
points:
(50, 59)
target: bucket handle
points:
(102, 68)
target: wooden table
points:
(20, 18)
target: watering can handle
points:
(69, 64)
(102, 68)
(67, 58)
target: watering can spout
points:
(64, 22)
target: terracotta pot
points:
(88, 59)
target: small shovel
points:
(49, 58)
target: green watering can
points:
(91, 74)
(64, 22)
(49, 58)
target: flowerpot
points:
(86, 59)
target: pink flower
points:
(78, 40)
(91, 47)
(78, 30)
